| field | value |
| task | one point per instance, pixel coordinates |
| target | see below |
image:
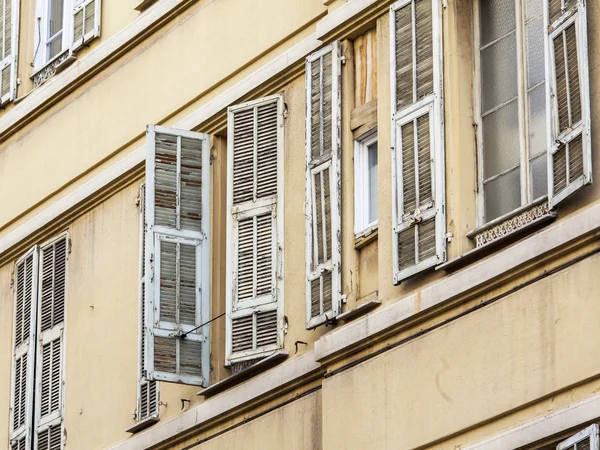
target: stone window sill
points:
(143, 424)
(365, 237)
(52, 67)
(143, 4)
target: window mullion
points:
(522, 102)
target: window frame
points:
(42, 40)
(591, 432)
(362, 181)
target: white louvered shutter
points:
(50, 351)
(86, 22)
(9, 32)
(570, 161)
(418, 167)
(255, 229)
(177, 260)
(323, 183)
(22, 389)
(584, 440)
(147, 404)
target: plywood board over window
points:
(365, 68)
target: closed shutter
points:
(323, 183)
(147, 404)
(9, 32)
(26, 294)
(50, 351)
(570, 161)
(255, 229)
(86, 22)
(418, 166)
(584, 440)
(177, 290)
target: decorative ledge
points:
(143, 4)
(142, 424)
(61, 62)
(366, 237)
(244, 374)
(361, 309)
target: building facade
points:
(310, 224)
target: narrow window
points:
(365, 183)
(55, 20)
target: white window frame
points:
(591, 432)
(41, 39)
(362, 182)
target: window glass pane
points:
(539, 176)
(55, 47)
(497, 19)
(499, 72)
(537, 120)
(502, 195)
(534, 30)
(501, 148)
(373, 202)
(55, 17)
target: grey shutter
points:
(177, 289)
(570, 161)
(418, 167)
(50, 351)
(255, 228)
(86, 22)
(323, 183)
(22, 388)
(584, 440)
(9, 32)
(147, 398)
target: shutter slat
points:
(560, 168)
(424, 50)
(266, 141)
(8, 18)
(168, 282)
(424, 149)
(404, 57)
(409, 189)
(573, 70)
(315, 108)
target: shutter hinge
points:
(343, 59)
(444, 4)
(449, 236)
(70, 246)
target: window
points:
(521, 110)
(38, 361)
(54, 26)
(365, 183)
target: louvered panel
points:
(327, 103)
(555, 7)
(408, 168)
(55, 383)
(50, 378)
(266, 328)
(49, 438)
(6, 80)
(327, 291)
(144, 404)
(1, 25)
(315, 108)
(187, 284)
(426, 232)
(245, 259)
(165, 354)
(575, 158)
(90, 14)
(559, 168)
(562, 97)
(424, 51)
(243, 156)
(7, 30)
(264, 255)
(573, 71)
(78, 21)
(191, 184)
(404, 57)
(241, 334)
(327, 214)
(190, 355)
(165, 187)
(43, 439)
(152, 397)
(585, 444)
(266, 143)
(20, 392)
(406, 248)
(19, 444)
(60, 266)
(168, 281)
(319, 252)
(24, 294)
(315, 297)
(424, 148)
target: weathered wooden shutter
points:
(86, 22)
(418, 167)
(21, 406)
(50, 348)
(584, 440)
(147, 398)
(255, 229)
(9, 32)
(177, 270)
(570, 160)
(323, 184)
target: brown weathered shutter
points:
(418, 155)
(86, 22)
(570, 162)
(255, 148)
(177, 256)
(323, 183)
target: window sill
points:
(503, 232)
(51, 68)
(261, 366)
(361, 309)
(143, 424)
(366, 236)
(143, 4)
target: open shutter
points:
(86, 22)
(323, 182)
(147, 398)
(177, 290)
(50, 351)
(570, 161)
(9, 46)
(584, 440)
(255, 229)
(419, 223)
(26, 294)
